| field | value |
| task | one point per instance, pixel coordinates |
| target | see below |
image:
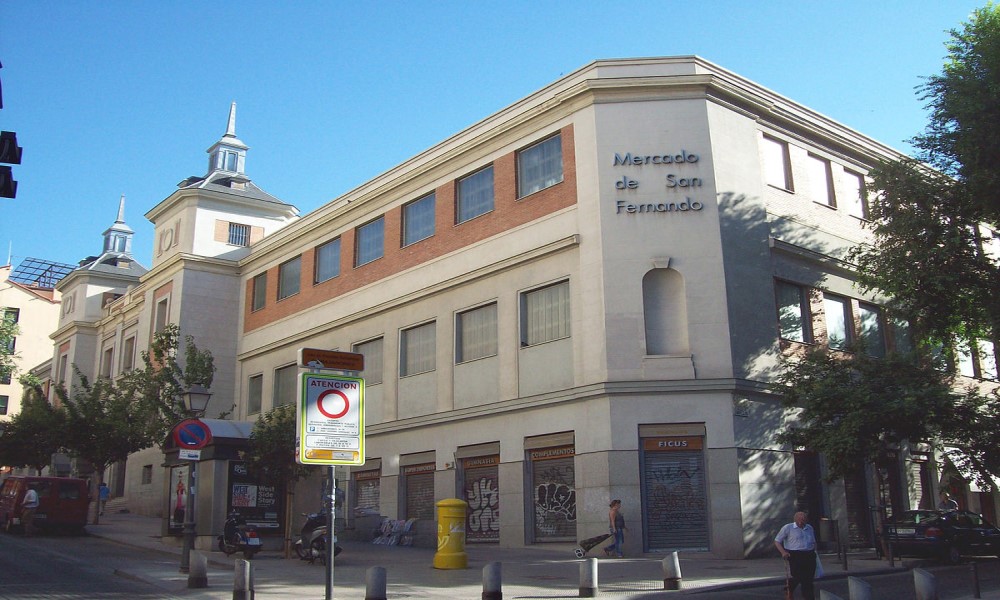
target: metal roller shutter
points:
(675, 503)
(482, 492)
(553, 479)
(419, 481)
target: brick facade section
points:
(508, 212)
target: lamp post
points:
(195, 400)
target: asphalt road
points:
(953, 582)
(79, 567)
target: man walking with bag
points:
(797, 544)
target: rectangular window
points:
(63, 370)
(963, 356)
(475, 194)
(417, 349)
(902, 339)
(259, 291)
(372, 351)
(289, 278)
(856, 197)
(284, 386)
(476, 333)
(106, 362)
(793, 312)
(777, 166)
(418, 220)
(838, 320)
(239, 235)
(5, 376)
(327, 261)
(12, 315)
(819, 180)
(539, 166)
(545, 314)
(128, 355)
(872, 332)
(987, 360)
(162, 315)
(370, 243)
(255, 394)
(147, 475)
(4, 401)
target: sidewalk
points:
(535, 572)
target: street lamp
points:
(195, 400)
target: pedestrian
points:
(28, 508)
(616, 524)
(103, 493)
(796, 542)
(947, 502)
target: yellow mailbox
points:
(451, 535)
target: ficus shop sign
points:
(673, 183)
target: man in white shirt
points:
(797, 544)
(28, 508)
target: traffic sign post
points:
(330, 418)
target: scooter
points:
(312, 540)
(237, 536)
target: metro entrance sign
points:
(330, 417)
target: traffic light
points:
(10, 153)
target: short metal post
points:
(925, 584)
(859, 589)
(198, 571)
(492, 585)
(375, 583)
(975, 580)
(671, 572)
(588, 578)
(243, 580)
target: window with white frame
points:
(289, 277)
(327, 261)
(872, 332)
(106, 362)
(476, 333)
(372, 351)
(284, 386)
(259, 291)
(128, 354)
(239, 234)
(539, 166)
(418, 220)
(417, 349)
(837, 311)
(855, 195)
(777, 165)
(475, 195)
(370, 242)
(545, 314)
(793, 312)
(255, 394)
(162, 315)
(819, 180)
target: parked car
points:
(62, 502)
(946, 535)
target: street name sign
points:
(330, 416)
(314, 358)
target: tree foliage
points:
(855, 408)
(271, 456)
(33, 435)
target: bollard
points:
(375, 583)
(198, 570)
(671, 572)
(859, 589)
(451, 535)
(243, 580)
(588, 578)
(975, 580)
(825, 595)
(491, 582)
(925, 584)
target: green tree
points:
(271, 455)
(33, 435)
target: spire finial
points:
(121, 210)
(231, 127)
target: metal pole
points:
(189, 532)
(330, 514)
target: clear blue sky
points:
(119, 97)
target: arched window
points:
(665, 313)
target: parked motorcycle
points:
(312, 541)
(237, 536)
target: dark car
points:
(944, 534)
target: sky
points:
(120, 97)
